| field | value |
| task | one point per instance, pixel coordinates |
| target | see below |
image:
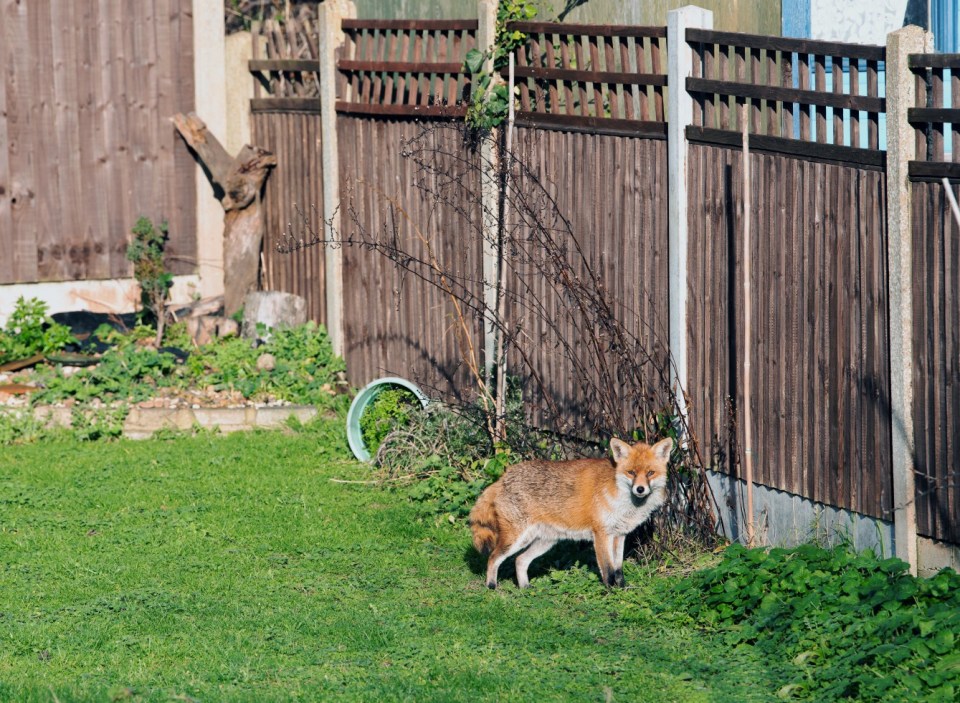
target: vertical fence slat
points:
(657, 56)
(772, 112)
(710, 112)
(838, 89)
(936, 91)
(873, 118)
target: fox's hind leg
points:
(537, 548)
(508, 544)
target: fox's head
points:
(641, 468)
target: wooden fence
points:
(392, 72)
(819, 364)
(591, 136)
(936, 307)
(780, 86)
(286, 121)
(86, 90)
(405, 68)
(588, 77)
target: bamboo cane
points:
(747, 333)
(502, 276)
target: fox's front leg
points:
(603, 545)
(618, 544)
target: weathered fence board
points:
(86, 151)
(397, 323)
(292, 204)
(601, 201)
(936, 273)
(819, 357)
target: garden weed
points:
(852, 626)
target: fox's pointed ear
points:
(663, 448)
(619, 449)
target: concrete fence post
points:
(489, 199)
(901, 149)
(210, 104)
(330, 15)
(680, 114)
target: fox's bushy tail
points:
(483, 520)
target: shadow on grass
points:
(561, 557)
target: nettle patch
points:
(851, 626)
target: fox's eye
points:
(649, 474)
(632, 474)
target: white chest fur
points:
(627, 513)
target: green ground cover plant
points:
(391, 409)
(29, 330)
(305, 371)
(849, 626)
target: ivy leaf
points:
(473, 61)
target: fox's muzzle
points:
(641, 491)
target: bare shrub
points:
(615, 364)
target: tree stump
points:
(238, 183)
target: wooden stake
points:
(747, 334)
(502, 274)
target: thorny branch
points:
(610, 367)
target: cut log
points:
(238, 183)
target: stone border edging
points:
(141, 423)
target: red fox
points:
(536, 503)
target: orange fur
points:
(537, 503)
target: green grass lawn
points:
(233, 568)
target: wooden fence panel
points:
(89, 148)
(395, 322)
(293, 205)
(819, 360)
(594, 78)
(936, 276)
(602, 200)
(779, 86)
(936, 346)
(405, 67)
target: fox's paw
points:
(615, 580)
(492, 585)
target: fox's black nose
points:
(640, 491)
